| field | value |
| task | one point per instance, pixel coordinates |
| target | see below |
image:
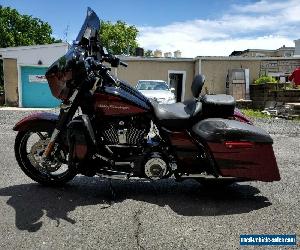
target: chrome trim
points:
(122, 163)
(122, 146)
(205, 176)
(54, 135)
(72, 98)
(122, 135)
(115, 177)
(101, 157)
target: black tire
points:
(31, 171)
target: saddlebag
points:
(217, 106)
(239, 149)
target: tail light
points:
(239, 144)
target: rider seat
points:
(177, 115)
(182, 115)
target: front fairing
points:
(90, 28)
(62, 73)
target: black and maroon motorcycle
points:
(107, 128)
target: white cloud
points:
(261, 7)
(262, 25)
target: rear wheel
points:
(29, 148)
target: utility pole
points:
(66, 32)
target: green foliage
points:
(22, 30)
(148, 53)
(251, 113)
(119, 38)
(265, 79)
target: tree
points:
(148, 53)
(22, 30)
(118, 38)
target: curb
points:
(25, 109)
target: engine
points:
(133, 151)
(125, 131)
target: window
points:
(152, 85)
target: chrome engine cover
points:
(156, 168)
(130, 131)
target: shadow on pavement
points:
(32, 201)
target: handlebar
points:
(114, 61)
(107, 57)
(123, 64)
(101, 70)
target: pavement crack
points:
(138, 223)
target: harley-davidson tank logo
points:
(112, 107)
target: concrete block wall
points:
(263, 93)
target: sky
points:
(196, 28)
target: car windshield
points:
(152, 85)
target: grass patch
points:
(252, 113)
(255, 113)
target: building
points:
(178, 72)
(281, 52)
(26, 86)
(223, 71)
(219, 72)
(24, 74)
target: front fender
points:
(37, 122)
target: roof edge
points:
(245, 58)
(161, 59)
(33, 47)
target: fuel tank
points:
(120, 101)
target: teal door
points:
(35, 90)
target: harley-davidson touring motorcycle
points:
(107, 128)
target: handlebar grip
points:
(123, 64)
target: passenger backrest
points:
(197, 85)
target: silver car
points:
(157, 90)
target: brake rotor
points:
(38, 161)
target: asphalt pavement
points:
(164, 215)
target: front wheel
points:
(29, 148)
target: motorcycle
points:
(107, 128)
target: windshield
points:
(152, 85)
(90, 27)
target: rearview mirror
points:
(172, 89)
(105, 51)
